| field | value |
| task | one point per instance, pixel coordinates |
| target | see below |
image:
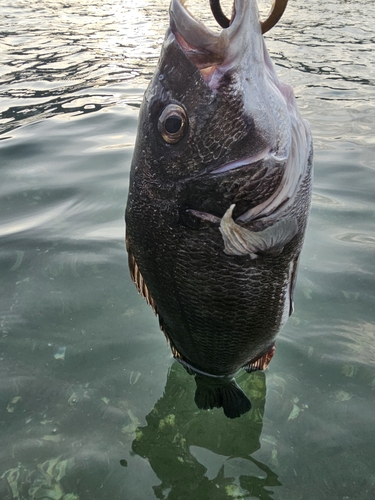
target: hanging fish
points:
(219, 199)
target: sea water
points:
(92, 405)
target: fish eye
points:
(172, 123)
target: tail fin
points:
(218, 392)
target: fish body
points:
(219, 198)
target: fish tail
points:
(217, 393)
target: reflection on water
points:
(319, 199)
(210, 456)
(358, 341)
(57, 51)
(52, 51)
(364, 239)
(82, 363)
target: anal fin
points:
(260, 363)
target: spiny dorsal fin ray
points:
(138, 280)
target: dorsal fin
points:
(138, 280)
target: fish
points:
(219, 200)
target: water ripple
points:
(53, 49)
(354, 237)
(320, 199)
(26, 222)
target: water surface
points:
(92, 405)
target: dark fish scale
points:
(226, 307)
(232, 132)
(201, 333)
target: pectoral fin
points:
(241, 241)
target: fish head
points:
(214, 103)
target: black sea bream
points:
(219, 199)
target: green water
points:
(92, 405)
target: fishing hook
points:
(277, 10)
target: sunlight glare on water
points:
(92, 405)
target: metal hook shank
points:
(274, 17)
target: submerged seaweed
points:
(40, 484)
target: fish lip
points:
(183, 20)
(201, 44)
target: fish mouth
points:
(209, 50)
(205, 48)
